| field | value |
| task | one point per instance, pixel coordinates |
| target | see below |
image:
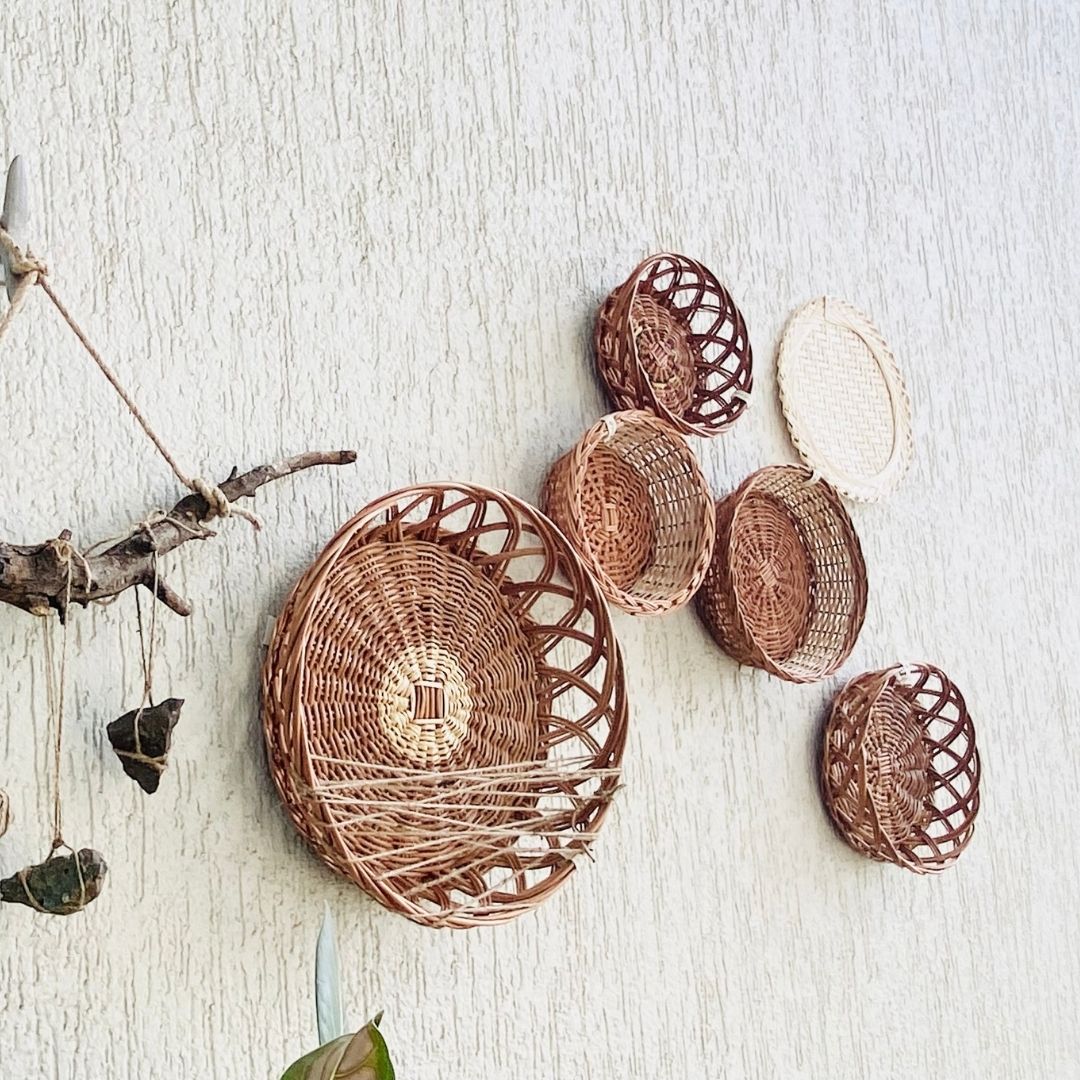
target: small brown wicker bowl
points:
(786, 590)
(444, 705)
(631, 498)
(900, 770)
(671, 340)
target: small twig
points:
(34, 578)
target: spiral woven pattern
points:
(900, 769)
(444, 705)
(786, 590)
(844, 399)
(631, 498)
(671, 340)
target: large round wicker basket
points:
(786, 590)
(900, 770)
(444, 705)
(671, 340)
(631, 498)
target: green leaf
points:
(362, 1056)
(300, 1070)
(329, 1004)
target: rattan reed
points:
(786, 590)
(444, 705)
(671, 340)
(844, 399)
(630, 496)
(900, 770)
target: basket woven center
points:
(897, 765)
(426, 704)
(617, 517)
(773, 575)
(415, 658)
(662, 339)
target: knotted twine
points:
(31, 271)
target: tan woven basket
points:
(900, 770)
(631, 498)
(787, 587)
(444, 705)
(671, 340)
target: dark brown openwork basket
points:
(444, 705)
(900, 771)
(631, 498)
(787, 587)
(671, 340)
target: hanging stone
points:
(144, 758)
(61, 885)
(5, 812)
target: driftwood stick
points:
(34, 578)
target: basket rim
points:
(577, 462)
(772, 665)
(834, 310)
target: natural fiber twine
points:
(671, 340)
(786, 590)
(631, 498)
(844, 399)
(444, 705)
(900, 770)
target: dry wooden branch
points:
(35, 577)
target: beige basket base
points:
(844, 399)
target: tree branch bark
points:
(34, 578)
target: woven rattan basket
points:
(844, 399)
(786, 590)
(900, 771)
(671, 340)
(631, 498)
(444, 705)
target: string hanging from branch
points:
(142, 738)
(61, 884)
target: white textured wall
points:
(300, 226)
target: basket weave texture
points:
(844, 399)
(671, 340)
(786, 590)
(630, 496)
(900, 770)
(444, 705)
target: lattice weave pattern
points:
(444, 705)
(786, 590)
(632, 499)
(847, 409)
(900, 769)
(671, 340)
